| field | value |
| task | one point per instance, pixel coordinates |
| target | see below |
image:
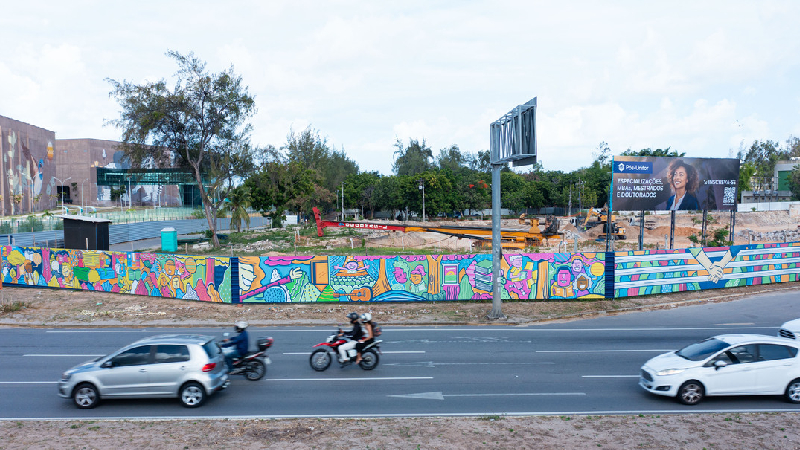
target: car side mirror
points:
(720, 364)
(107, 365)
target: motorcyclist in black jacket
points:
(354, 335)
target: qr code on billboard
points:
(729, 196)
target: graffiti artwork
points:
(419, 277)
(407, 278)
(156, 275)
(665, 271)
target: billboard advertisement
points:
(649, 183)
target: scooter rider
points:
(355, 335)
(240, 344)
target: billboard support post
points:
(703, 229)
(672, 229)
(641, 233)
(733, 227)
(512, 139)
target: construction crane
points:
(510, 238)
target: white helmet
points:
(240, 325)
(366, 317)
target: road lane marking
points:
(434, 364)
(61, 355)
(351, 379)
(388, 352)
(440, 396)
(609, 376)
(602, 351)
(28, 382)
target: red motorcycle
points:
(327, 351)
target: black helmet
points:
(352, 316)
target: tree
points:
(666, 152)
(513, 191)
(387, 194)
(238, 201)
(279, 184)
(412, 160)
(360, 190)
(763, 155)
(331, 166)
(201, 121)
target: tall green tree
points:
(412, 160)
(201, 118)
(332, 166)
(665, 152)
(279, 184)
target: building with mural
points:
(29, 168)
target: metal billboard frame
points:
(512, 140)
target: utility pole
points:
(422, 187)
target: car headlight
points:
(66, 376)
(662, 373)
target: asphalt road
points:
(581, 367)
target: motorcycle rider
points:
(240, 344)
(369, 336)
(355, 334)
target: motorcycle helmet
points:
(240, 326)
(352, 316)
(366, 317)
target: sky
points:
(706, 78)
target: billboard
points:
(652, 183)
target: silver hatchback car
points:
(189, 367)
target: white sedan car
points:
(728, 364)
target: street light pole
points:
(422, 187)
(82, 192)
(62, 185)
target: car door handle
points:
(142, 370)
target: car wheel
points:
(192, 394)
(691, 392)
(85, 396)
(792, 393)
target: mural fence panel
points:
(419, 278)
(534, 276)
(665, 271)
(152, 274)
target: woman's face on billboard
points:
(679, 178)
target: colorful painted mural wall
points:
(540, 276)
(692, 269)
(152, 274)
(419, 278)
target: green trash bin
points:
(169, 240)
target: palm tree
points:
(238, 202)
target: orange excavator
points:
(510, 237)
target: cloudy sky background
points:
(700, 77)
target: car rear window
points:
(702, 350)
(172, 353)
(211, 348)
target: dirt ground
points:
(32, 307)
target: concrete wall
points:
(28, 167)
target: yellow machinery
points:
(511, 238)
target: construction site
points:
(584, 233)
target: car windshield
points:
(702, 350)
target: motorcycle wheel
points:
(369, 360)
(320, 359)
(255, 370)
